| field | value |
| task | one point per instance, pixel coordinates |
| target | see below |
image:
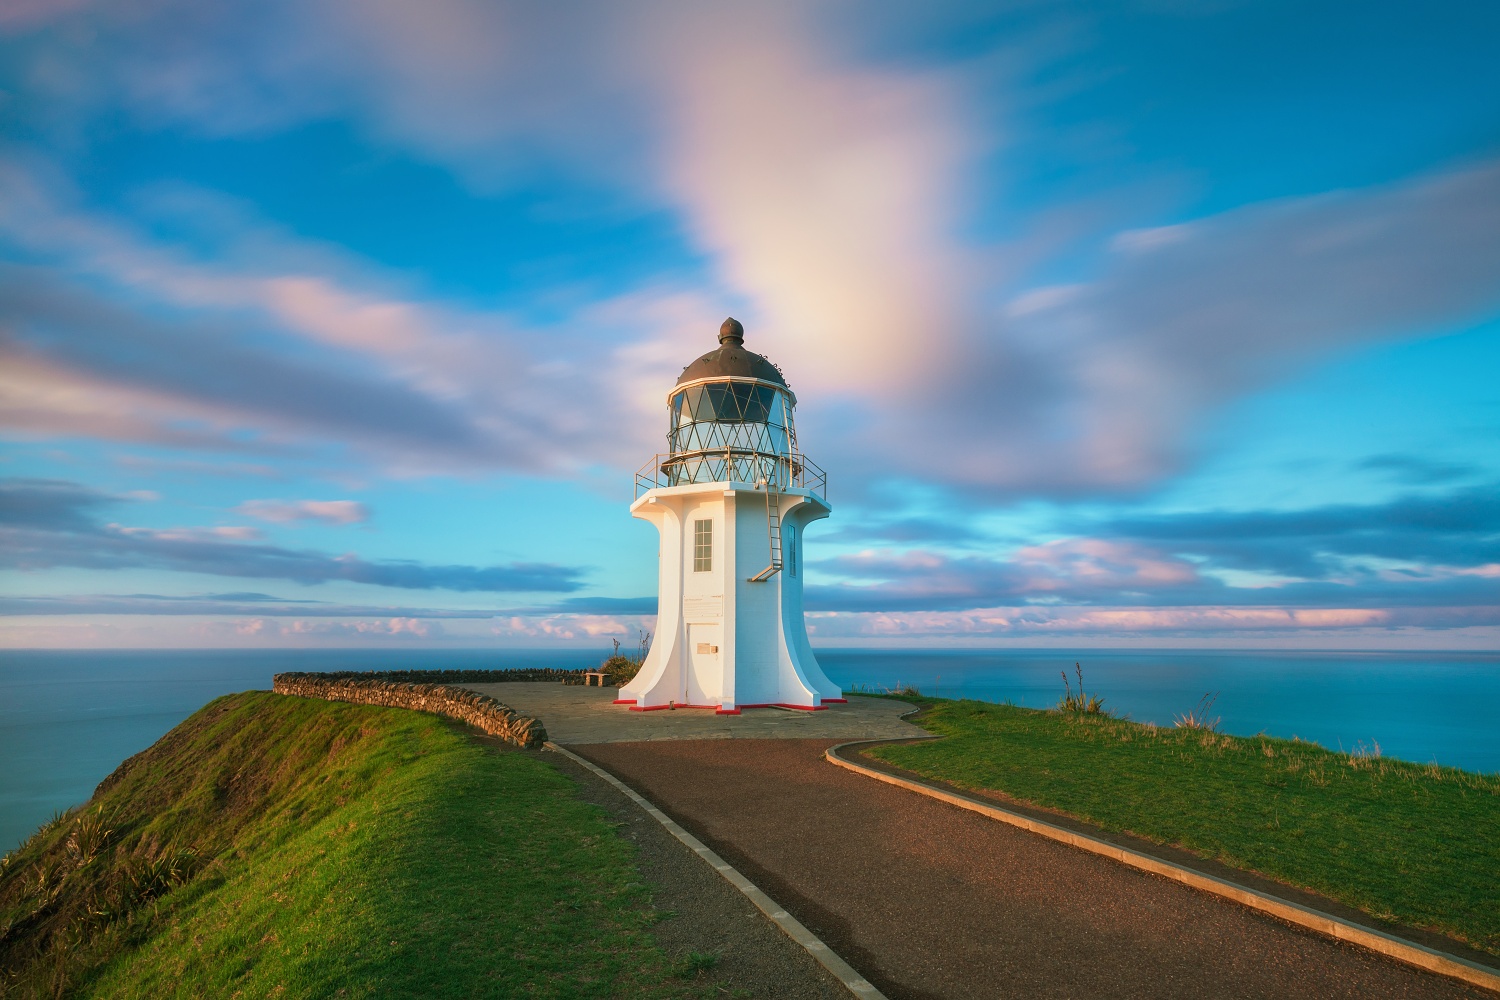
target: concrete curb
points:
(1303, 916)
(793, 928)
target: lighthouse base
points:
(724, 640)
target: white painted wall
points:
(763, 656)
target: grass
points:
(275, 846)
(1414, 844)
(695, 962)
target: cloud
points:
(251, 604)
(287, 511)
(903, 530)
(1459, 528)
(58, 339)
(628, 606)
(255, 341)
(1415, 470)
(1071, 571)
(1419, 550)
(1381, 626)
(50, 505)
(1097, 391)
(1146, 240)
(193, 468)
(568, 627)
(238, 532)
(825, 193)
(217, 605)
(833, 197)
(46, 524)
(828, 192)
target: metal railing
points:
(790, 471)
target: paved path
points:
(928, 900)
(697, 910)
(574, 714)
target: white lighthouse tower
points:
(730, 500)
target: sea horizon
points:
(69, 717)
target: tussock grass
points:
(898, 690)
(1085, 704)
(280, 846)
(1197, 718)
(1412, 843)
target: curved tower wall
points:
(757, 651)
(730, 632)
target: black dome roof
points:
(731, 360)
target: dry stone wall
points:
(453, 676)
(478, 710)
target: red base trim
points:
(720, 710)
(837, 701)
(624, 701)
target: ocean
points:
(68, 717)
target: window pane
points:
(703, 546)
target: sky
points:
(336, 323)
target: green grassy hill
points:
(276, 846)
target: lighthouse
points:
(730, 499)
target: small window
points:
(791, 551)
(703, 546)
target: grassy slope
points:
(1405, 842)
(359, 852)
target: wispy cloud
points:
(230, 605)
(1421, 550)
(275, 345)
(831, 198)
(848, 196)
(906, 530)
(1458, 528)
(1152, 624)
(287, 511)
(1071, 571)
(1416, 470)
(1096, 392)
(46, 524)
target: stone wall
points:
(455, 676)
(478, 710)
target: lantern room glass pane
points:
(731, 430)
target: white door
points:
(704, 674)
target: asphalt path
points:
(928, 900)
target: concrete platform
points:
(574, 714)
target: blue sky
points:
(1158, 323)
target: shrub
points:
(621, 668)
(1080, 703)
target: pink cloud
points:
(1102, 563)
(288, 511)
(238, 533)
(1215, 623)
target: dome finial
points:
(732, 333)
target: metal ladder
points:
(773, 530)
